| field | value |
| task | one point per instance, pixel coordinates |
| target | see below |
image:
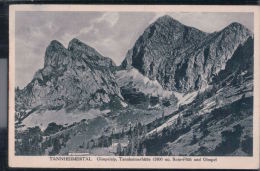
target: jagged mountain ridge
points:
(74, 78)
(227, 109)
(179, 57)
(79, 78)
(183, 58)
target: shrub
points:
(52, 128)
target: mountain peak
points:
(78, 48)
(52, 53)
(170, 51)
(77, 45)
(166, 19)
(76, 42)
(235, 26)
(56, 44)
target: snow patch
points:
(123, 104)
(185, 98)
(243, 73)
(106, 111)
(141, 83)
(164, 125)
(157, 106)
(60, 117)
(208, 106)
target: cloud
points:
(36, 33)
(86, 30)
(110, 17)
(67, 36)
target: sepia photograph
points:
(132, 85)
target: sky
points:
(111, 33)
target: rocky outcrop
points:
(183, 58)
(74, 78)
(241, 63)
(79, 49)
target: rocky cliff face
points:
(177, 57)
(148, 96)
(241, 63)
(74, 78)
(182, 58)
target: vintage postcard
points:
(118, 86)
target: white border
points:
(222, 162)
